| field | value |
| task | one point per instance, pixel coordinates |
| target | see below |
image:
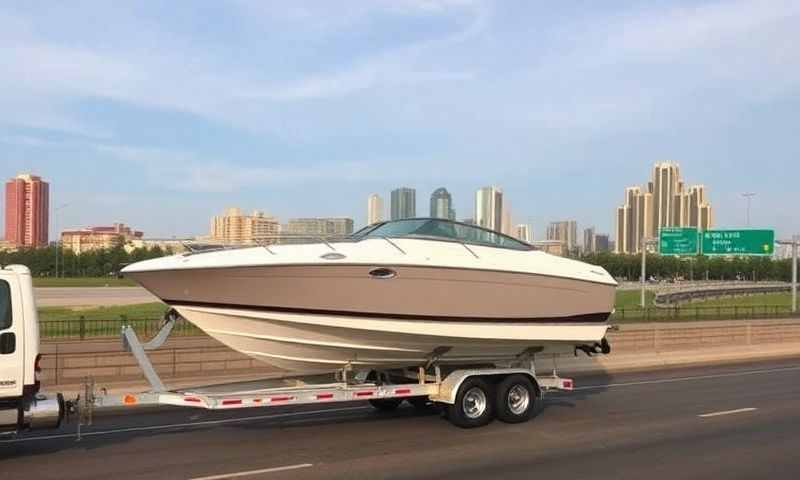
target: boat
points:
(395, 294)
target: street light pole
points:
(795, 243)
(749, 197)
(58, 237)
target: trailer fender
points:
(450, 385)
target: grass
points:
(781, 299)
(145, 310)
(82, 282)
(632, 298)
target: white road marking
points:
(727, 412)
(180, 425)
(687, 379)
(254, 472)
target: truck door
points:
(11, 341)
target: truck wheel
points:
(474, 404)
(516, 399)
(386, 404)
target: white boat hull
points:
(303, 342)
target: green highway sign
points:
(738, 242)
(677, 241)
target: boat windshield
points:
(441, 228)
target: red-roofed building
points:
(95, 238)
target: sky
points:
(162, 114)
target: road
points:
(91, 296)
(634, 425)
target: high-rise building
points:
(489, 208)
(565, 231)
(524, 233)
(323, 227)
(404, 203)
(589, 240)
(374, 209)
(442, 204)
(234, 227)
(601, 243)
(97, 238)
(666, 202)
(27, 211)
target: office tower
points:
(237, 228)
(374, 209)
(666, 202)
(523, 232)
(489, 208)
(601, 243)
(442, 204)
(27, 211)
(404, 203)
(565, 232)
(589, 240)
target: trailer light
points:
(232, 402)
(280, 399)
(567, 384)
(367, 393)
(402, 391)
(129, 400)
(324, 396)
(192, 399)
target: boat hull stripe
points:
(599, 317)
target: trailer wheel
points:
(386, 404)
(474, 406)
(516, 399)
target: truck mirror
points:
(8, 343)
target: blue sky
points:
(162, 114)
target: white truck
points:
(471, 396)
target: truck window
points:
(5, 305)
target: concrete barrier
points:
(645, 344)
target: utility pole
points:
(749, 197)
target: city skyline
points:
(314, 117)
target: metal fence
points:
(82, 328)
(690, 313)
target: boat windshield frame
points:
(431, 233)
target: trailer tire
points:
(386, 404)
(516, 399)
(474, 405)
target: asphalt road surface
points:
(739, 421)
(91, 296)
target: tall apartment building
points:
(442, 204)
(565, 231)
(235, 227)
(589, 240)
(403, 203)
(27, 211)
(97, 238)
(374, 209)
(665, 202)
(523, 232)
(337, 226)
(489, 208)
